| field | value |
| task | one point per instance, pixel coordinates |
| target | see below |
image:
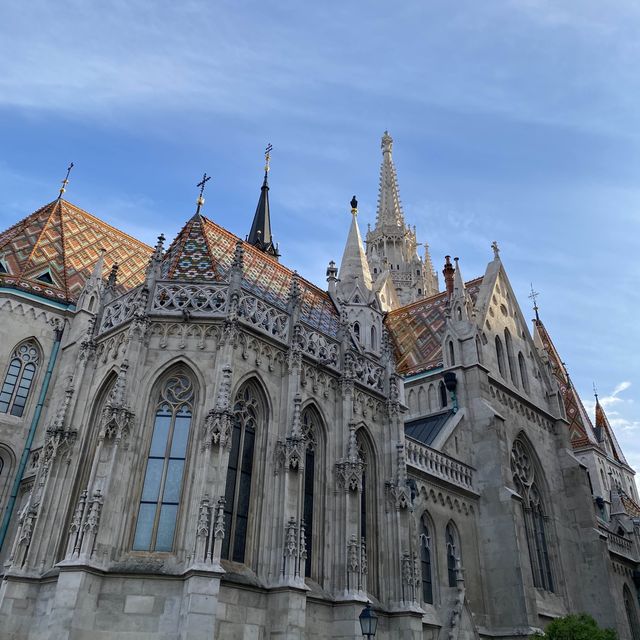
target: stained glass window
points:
(162, 489)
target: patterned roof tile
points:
(64, 241)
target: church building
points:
(197, 443)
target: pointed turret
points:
(93, 287)
(392, 244)
(605, 434)
(354, 269)
(260, 234)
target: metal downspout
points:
(32, 431)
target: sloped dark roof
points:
(426, 429)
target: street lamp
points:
(368, 622)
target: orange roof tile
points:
(52, 252)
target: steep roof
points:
(418, 329)
(602, 423)
(52, 252)
(581, 429)
(203, 250)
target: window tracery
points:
(535, 521)
(451, 537)
(162, 489)
(248, 418)
(309, 424)
(19, 378)
(426, 569)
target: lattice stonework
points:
(65, 242)
(204, 251)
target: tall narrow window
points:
(426, 570)
(443, 394)
(630, 610)
(249, 415)
(19, 378)
(524, 376)
(374, 339)
(356, 330)
(510, 358)
(368, 510)
(310, 430)
(451, 537)
(452, 355)
(500, 357)
(535, 520)
(162, 487)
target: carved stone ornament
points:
(349, 470)
(117, 419)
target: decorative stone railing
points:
(263, 316)
(621, 546)
(121, 309)
(438, 464)
(319, 347)
(176, 297)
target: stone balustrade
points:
(621, 546)
(437, 464)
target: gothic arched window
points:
(368, 523)
(356, 330)
(452, 355)
(524, 376)
(248, 415)
(310, 428)
(162, 487)
(426, 568)
(500, 356)
(630, 609)
(512, 364)
(443, 394)
(535, 520)
(374, 339)
(453, 553)
(19, 378)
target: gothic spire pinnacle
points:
(260, 234)
(354, 268)
(389, 206)
(65, 182)
(459, 289)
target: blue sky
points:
(513, 120)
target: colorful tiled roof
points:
(418, 329)
(602, 422)
(52, 252)
(204, 250)
(581, 429)
(631, 506)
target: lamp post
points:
(368, 622)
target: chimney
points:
(448, 273)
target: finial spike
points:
(534, 296)
(267, 158)
(496, 249)
(354, 206)
(595, 391)
(65, 182)
(201, 184)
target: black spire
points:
(260, 234)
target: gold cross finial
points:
(267, 158)
(201, 184)
(65, 182)
(534, 296)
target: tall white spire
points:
(389, 206)
(392, 245)
(354, 269)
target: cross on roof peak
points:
(201, 184)
(65, 182)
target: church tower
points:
(392, 244)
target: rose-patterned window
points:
(162, 489)
(535, 518)
(19, 378)
(249, 415)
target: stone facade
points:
(226, 451)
